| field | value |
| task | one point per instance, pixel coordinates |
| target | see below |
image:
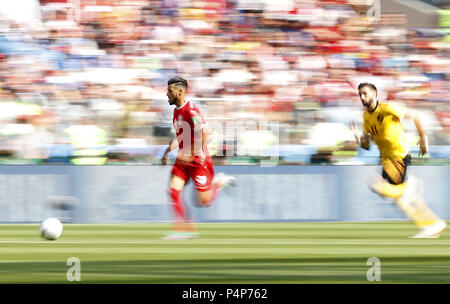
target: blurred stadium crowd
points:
(84, 81)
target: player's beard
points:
(367, 103)
(173, 101)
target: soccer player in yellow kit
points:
(382, 124)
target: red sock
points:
(177, 205)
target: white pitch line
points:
(206, 242)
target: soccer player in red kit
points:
(193, 159)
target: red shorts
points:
(201, 173)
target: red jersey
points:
(188, 123)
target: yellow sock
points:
(418, 211)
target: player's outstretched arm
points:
(423, 142)
(172, 145)
(363, 139)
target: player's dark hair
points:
(367, 84)
(178, 81)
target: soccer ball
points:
(51, 229)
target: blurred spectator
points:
(89, 143)
(289, 61)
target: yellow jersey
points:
(384, 124)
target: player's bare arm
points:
(200, 137)
(205, 135)
(172, 145)
(423, 142)
(363, 139)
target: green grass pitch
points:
(277, 253)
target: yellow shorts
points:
(394, 170)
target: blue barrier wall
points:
(99, 194)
